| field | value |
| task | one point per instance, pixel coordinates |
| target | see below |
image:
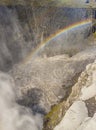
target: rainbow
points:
(58, 33)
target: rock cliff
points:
(49, 79)
(83, 92)
(23, 28)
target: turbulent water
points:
(12, 50)
(12, 115)
(17, 39)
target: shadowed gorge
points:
(23, 28)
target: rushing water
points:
(12, 115)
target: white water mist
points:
(12, 115)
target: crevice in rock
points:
(91, 106)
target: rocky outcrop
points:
(44, 82)
(83, 91)
(73, 117)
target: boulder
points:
(73, 117)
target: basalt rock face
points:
(83, 92)
(44, 82)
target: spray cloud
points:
(12, 115)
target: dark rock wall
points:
(22, 28)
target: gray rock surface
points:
(83, 91)
(48, 80)
(73, 117)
